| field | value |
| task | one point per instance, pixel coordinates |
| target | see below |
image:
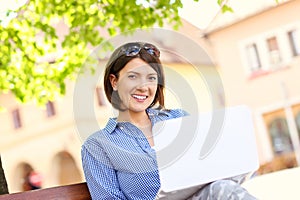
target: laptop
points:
(198, 149)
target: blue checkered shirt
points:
(119, 163)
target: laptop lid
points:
(199, 149)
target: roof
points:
(241, 10)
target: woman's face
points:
(136, 85)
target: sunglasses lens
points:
(133, 50)
(152, 50)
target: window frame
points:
(260, 40)
(274, 53)
(294, 36)
(16, 116)
(283, 135)
(50, 109)
(253, 57)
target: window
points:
(50, 109)
(294, 40)
(274, 52)
(16, 118)
(100, 96)
(280, 136)
(271, 50)
(253, 57)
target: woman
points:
(119, 161)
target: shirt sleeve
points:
(99, 174)
(174, 113)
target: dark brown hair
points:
(117, 62)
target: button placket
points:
(139, 139)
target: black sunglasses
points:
(133, 49)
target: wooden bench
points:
(77, 191)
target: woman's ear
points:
(113, 81)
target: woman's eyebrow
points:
(153, 73)
(134, 72)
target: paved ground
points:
(281, 185)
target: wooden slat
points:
(67, 192)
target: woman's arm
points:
(100, 175)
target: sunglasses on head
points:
(133, 49)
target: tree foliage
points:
(32, 35)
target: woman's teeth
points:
(139, 97)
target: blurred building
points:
(42, 140)
(256, 55)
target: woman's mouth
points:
(139, 97)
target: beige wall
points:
(38, 141)
(263, 93)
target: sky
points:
(205, 9)
(201, 13)
(9, 5)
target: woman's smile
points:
(139, 98)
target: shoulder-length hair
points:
(116, 64)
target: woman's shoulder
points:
(169, 113)
(177, 112)
(103, 132)
(103, 135)
(93, 139)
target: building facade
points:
(259, 58)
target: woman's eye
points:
(152, 78)
(132, 76)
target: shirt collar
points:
(111, 125)
(156, 112)
(152, 113)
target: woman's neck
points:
(140, 120)
(137, 118)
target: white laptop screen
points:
(191, 152)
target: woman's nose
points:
(142, 86)
(143, 83)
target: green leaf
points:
(226, 8)
(31, 36)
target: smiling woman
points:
(119, 161)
